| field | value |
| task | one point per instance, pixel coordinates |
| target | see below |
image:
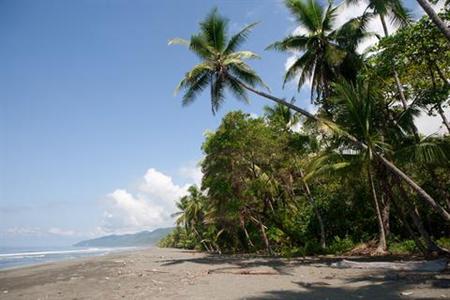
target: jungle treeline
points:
(355, 174)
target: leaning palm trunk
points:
(443, 117)
(201, 239)
(389, 165)
(414, 214)
(316, 210)
(398, 83)
(440, 24)
(382, 246)
(404, 221)
(264, 236)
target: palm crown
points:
(326, 52)
(221, 66)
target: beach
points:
(156, 273)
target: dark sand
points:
(177, 274)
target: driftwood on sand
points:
(437, 265)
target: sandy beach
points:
(178, 274)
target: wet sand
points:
(178, 274)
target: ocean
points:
(17, 257)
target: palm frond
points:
(290, 43)
(214, 29)
(237, 39)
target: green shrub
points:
(444, 242)
(339, 246)
(403, 247)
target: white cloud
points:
(150, 205)
(192, 172)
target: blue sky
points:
(92, 138)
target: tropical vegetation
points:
(357, 174)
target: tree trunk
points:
(389, 165)
(385, 214)
(382, 246)
(312, 201)
(399, 84)
(440, 24)
(404, 221)
(247, 236)
(444, 118)
(414, 214)
(201, 239)
(264, 237)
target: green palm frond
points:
(290, 43)
(427, 151)
(236, 40)
(214, 30)
(308, 13)
(220, 62)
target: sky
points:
(93, 140)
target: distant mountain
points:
(143, 238)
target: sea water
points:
(16, 257)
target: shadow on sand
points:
(374, 284)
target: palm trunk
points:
(440, 24)
(247, 236)
(316, 210)
(401, 212)
(414, 214)
(444, 118)
(382, 246)
(398, 84)
(389, 165)
(264, 237)
(201, 239)
(385, 215)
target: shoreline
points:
(80, 253)
(164, 273)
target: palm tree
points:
(444, 28)
(223, 67)
(324, 49)
(358, 114)
(398, 15)
(192, 213)
(281, 115)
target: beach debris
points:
(406, 293)
(157, 282)
(437, 265)
(155, 271)
(243, 272)
(5, 292)
(107, 278)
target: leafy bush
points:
(339, 246)
(403, 247)
(444, 242)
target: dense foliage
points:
(357, 171)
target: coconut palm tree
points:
(191, 213)
(398, 15)
(357, 113)
(223, 67)
(325, 51)
(281, 115)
